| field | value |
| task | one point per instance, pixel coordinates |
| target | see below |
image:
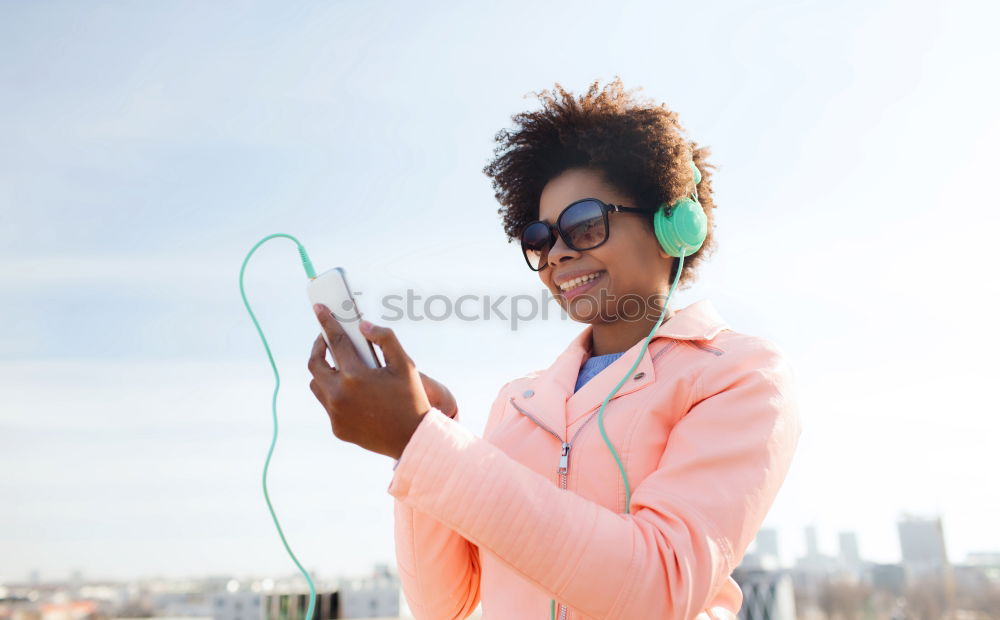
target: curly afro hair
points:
(636, 144)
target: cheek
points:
(632, 266)
(642, 246)
(623, 259)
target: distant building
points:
(981, 558)
(812, 544)
(987, 562)
(374, 596)
(767, 595)
(295, 605)
(181, 604)
(970, 578)
(815, 562)
(767, 542)
(236, 606)
(765, 551)
(925, 558)
(814, 568)
(923, 548)
(850, 556)
(888, 578)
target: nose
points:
(560, 252)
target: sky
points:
(147, 147)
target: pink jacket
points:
(705, 428)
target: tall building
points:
(815, 561)
(922, 544)
(767, 542)
(813, 569)
(765, 552)
(812, 546)
(850, 556)
(925, 560)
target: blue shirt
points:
(594, 365)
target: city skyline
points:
(767, 542)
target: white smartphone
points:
(330, 288)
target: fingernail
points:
(365, 326)
(319, 308)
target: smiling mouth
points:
(578, 285)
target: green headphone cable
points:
(311, 273)
(680, 227)
(600, 414)
(645, 344)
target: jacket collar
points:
(550, 397)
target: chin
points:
(583, 309)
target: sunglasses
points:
(582, 225)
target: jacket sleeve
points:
(689, 522)
(438, 568)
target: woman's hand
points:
(376, 408)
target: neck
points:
(619, 336)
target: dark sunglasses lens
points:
(535, 243)
(583, 225)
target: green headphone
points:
(682, 224)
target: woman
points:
(643, 513)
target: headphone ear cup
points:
(685, 227)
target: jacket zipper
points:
(705, 347)
(563, 469)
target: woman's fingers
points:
(340, 344)
(439, 396)
(396, 358)
(317, 358)
(385, 338)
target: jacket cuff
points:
(455, 418)
(418, 458)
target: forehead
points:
(572, 185)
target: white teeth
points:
(565, 286)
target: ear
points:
(669, 263)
